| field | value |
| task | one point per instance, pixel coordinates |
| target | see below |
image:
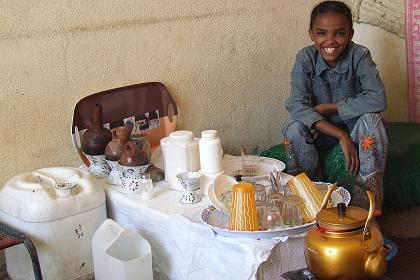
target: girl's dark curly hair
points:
(332, 6)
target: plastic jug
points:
(119, 253)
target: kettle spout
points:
(375, 265)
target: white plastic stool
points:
(119, 253)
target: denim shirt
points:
(353, 84)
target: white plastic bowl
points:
(223, 183)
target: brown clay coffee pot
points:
(134, 155)
(346, 243)
(96, 137)
(120, 136)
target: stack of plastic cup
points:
(243, 212)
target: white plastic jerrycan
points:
(119, 253)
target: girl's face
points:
(331, 33)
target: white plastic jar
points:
(210, 152)
(180, 154)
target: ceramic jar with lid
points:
(180, 154)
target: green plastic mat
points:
(402, 172)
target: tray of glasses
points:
(219, 223)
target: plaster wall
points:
(226, 63)
(388, 52)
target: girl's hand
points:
(350, 153)
(347, 146)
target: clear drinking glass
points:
(259, 193)
(287, 189)
(274, 199)
(322, 187)
(290, 210)
(273, 218)
(261, 213)
(249, 158)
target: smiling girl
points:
(336, 97)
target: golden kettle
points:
(346, 243)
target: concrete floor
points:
(403, 228)
(405, 224)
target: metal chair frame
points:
(10, 237)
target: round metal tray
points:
(218, 222)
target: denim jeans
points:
(369, 135)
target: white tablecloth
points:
(183, 247)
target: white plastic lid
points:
(183, 136)
(209, 134)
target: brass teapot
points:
(346, 242)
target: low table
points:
(183, 247)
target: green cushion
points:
(402, 172)
(332, 161)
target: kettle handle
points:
(366, 230)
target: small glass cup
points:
(287, 189)
(322, 187)
(261, 213)
(146, 187)
(273, 218)
(290, 210)
(274, 199)
(259, 193)
(249, 158)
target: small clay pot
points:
(133, 155)
(116, 147)
(96, 137)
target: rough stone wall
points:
(386, 14)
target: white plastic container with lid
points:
(59, 209)
(119, 253)
(211, 155)
(180, 154)
(211, 152)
